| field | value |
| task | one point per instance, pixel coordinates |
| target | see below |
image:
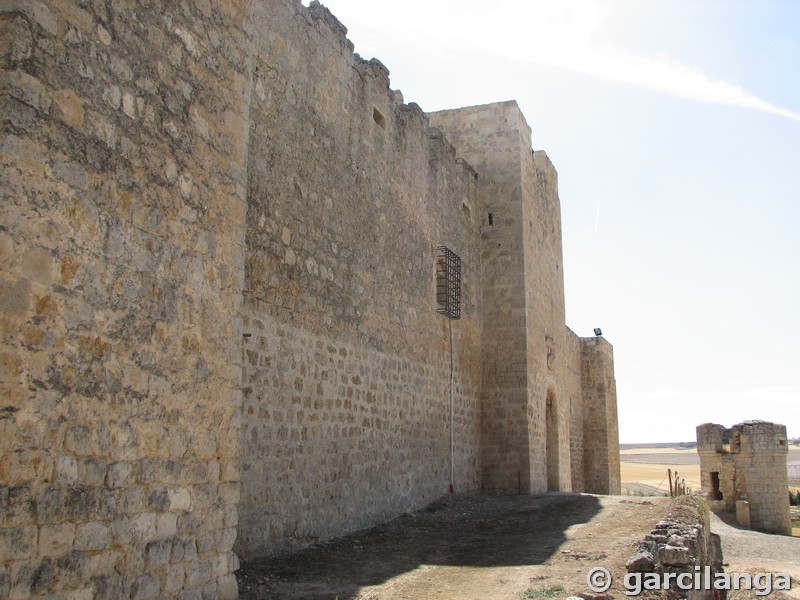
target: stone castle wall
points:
(747, 462)
(575, 395)
(218, 248)
(548, 398)
(124, 152)
(600, 423)
(347, 376)
(491, 139)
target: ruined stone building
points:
(743, 470)
(225, 250)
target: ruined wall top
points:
(747, 437)
(711, 437)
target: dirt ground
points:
(468, 547)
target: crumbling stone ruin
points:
(221, 243)
(743, 470)
(682, 543)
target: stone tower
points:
(548, 397)
(747, 462)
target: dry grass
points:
(658, 451)
(655, 474)
(650, 468)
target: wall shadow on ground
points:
(486, 530)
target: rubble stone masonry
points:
(219, 332)
(124, 153)
(347, 375)
(490, 139)
(600, 424)
(747, 463)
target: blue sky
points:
(675, 129)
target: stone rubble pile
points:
(675, 547)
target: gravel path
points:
(747, 550)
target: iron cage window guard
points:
(448, 283)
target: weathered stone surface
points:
(119, 332)
(227, 588)
(683, 544)
(673, 556)
(158, 553)
(218, 259)
(92, 536)
(747, 462)
(641, 562)
(18, 543)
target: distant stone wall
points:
(594, 433)
(535, 371)
(347, 375)
(600, 424)
(124, 146)
(548, 396)
(747, 462)
(575, 395)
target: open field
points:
(650, 478)
(645, 450)
(644, 469)
(662, 458)
(682, 455)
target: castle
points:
(252, 300)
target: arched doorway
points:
(551, 424)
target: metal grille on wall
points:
(448, 283)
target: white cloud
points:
(576, 35)
(659, 74)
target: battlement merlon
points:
(711, 437)
(319, 12)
